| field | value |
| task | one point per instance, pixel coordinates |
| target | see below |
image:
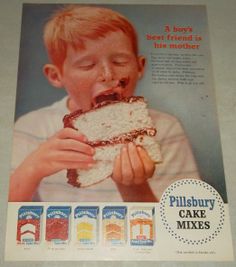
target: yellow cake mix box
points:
(86, 225)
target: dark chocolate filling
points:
(124, 138)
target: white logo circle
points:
(192, 211)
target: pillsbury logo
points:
(82, 213)
(141, 213)
(28, 215)
(30, 212)
(113, 213)
(57, 214)
(183, 201)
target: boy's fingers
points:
(149, 166)
(136, 163)
(73, 157)
(126, 169)
(117, 169)
(77, 165)
(71, 144)
(72, 134)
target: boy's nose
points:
(106, 72)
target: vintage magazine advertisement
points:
(116, 147)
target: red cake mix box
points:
(57, 224)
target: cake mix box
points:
(58, 224)
(142, 226)
(114, 225)
(29, 224)
(86, 225)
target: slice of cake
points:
(108, 126)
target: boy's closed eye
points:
(120, 60)
(86, 65)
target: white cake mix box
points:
(142, 226)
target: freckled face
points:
(102, 61)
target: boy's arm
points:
(23, 184)
(66, 149)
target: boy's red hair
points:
(72, 24)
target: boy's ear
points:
(53, 75)
(141, 66)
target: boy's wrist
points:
(31, 173)
(24, 182)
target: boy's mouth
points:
(110, 92)
(112, 96)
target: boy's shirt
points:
(37, 126)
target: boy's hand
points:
(132, 166)
(64, 150)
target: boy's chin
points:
(81, 106)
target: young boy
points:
(88, 46)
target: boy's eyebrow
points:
(122, 54)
